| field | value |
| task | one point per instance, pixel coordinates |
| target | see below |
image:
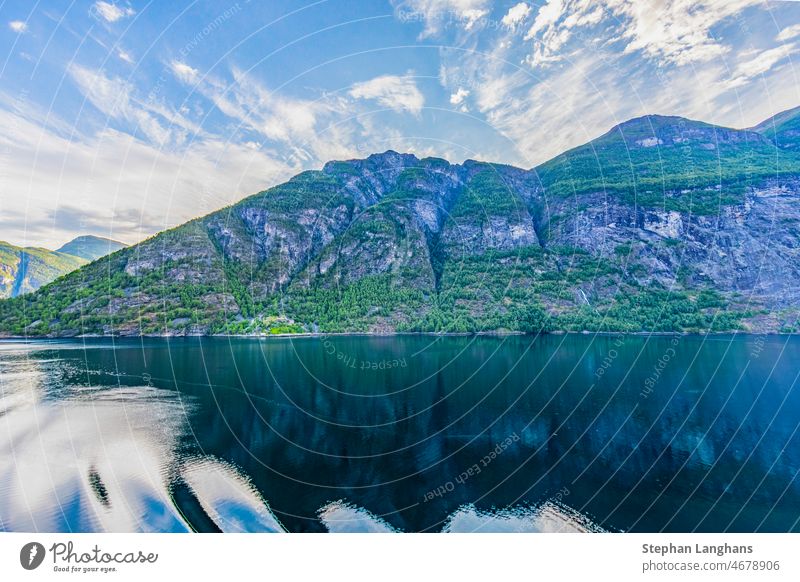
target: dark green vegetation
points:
(25, 269)
(662, 224)
(646, 160)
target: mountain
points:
(90, 247)
(25, 269)
(654, 160)
(782, 129)
(662, 224)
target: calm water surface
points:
(409, 433)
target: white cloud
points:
(516, 15)
(436, 13)
(496, 89)
(125, 56)
(788, 33)
(18, 26)
(548, 15)
(555, 24)
(184, 72)
(111, 12)
(759, 62)
(397, 93)
(115, 185)
(677, 31)
(667, 31)
(458, 97)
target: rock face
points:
(661, 224)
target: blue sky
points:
(124, 118)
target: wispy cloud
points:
(307, 131)
(757, 63)
(435, 14)
(788, 33)
(295, 123)
(184, 72)
(555, 24)
(111, 12)
(116, 98)
(125, 56)
(398, 93)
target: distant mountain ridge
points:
(661, 224)
(90, 247)
(25, 269)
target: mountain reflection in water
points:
(476, 434)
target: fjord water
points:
(411, 433)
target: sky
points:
(121, 119)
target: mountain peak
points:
(387, 159)
(655, 120)
(654, 124)
(777, 119)
(667, 130)
(392, 155)
(782, 129)
(90, 247)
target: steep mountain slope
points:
(25, 269)
(782, 129)
(662, 224)
(669, 162)
(90, 247)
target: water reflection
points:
(342, 517)
(473, 434)
(88, 464)
(228, 498)
(549, 517)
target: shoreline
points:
(496, 334)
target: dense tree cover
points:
(514, 292)
(655, 162)
(527, 290)
(487, 195)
